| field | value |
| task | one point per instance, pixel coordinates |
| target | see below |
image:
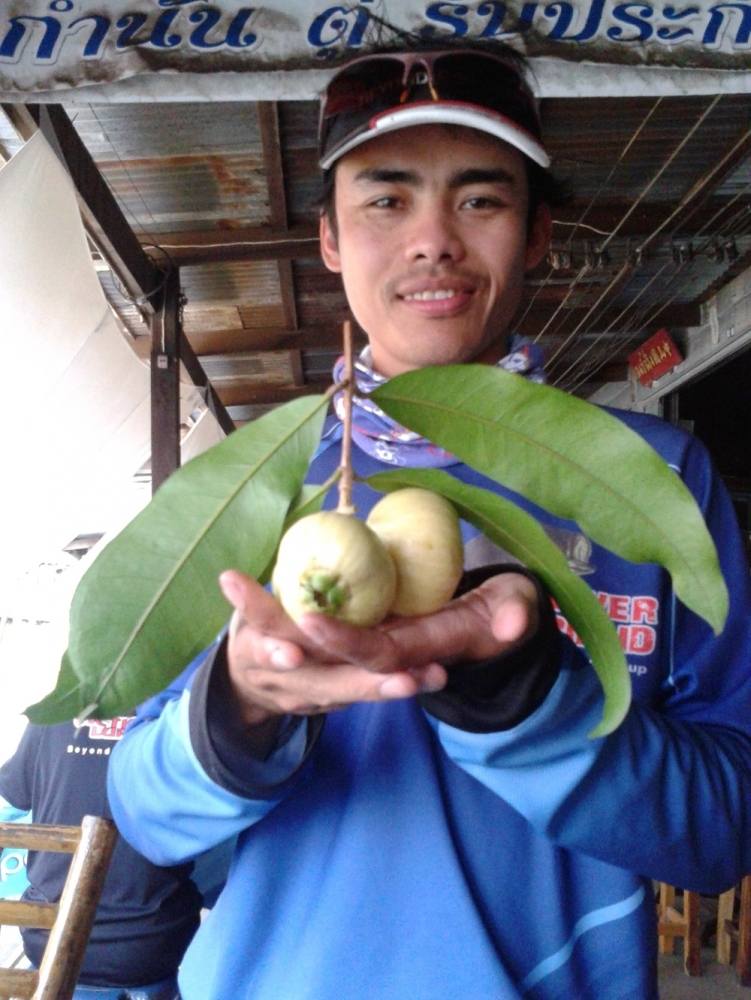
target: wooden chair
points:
(735, 931)
(673, 923)
(70, 920)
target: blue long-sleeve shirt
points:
(389, 853)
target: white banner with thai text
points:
(76, 51)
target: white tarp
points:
(75, 407)
(74, 413)
(74, 418)
(137, 50)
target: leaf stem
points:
(345, 505)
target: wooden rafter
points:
(251, 243)
(166, 336)
(268, 119)
(207, 342)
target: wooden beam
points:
(268, 119)
(207, 342)
(298, 373)
(102, 216)
(255, 395)
(198, 375)
(288, 295)
(166, 336)
(225, 245)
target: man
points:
(419, 810)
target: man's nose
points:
(434, 237)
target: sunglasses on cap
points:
(383, 92)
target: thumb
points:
(232, 584)
(516, 617)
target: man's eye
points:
(385, 201)
(482, 201)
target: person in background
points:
(147, 914)
(419, 812)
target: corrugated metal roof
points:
(178, 170)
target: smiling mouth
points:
(436, 295)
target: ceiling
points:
(659, 218)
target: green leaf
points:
(60, 704)
(519, 534)
(150, 601)
(572, 458)
(309, 501)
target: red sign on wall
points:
(655, 357)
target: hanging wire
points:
(562, 304)
(644, 318)
(587, 209)
(624, 153)
(707, 225)
(621, 273)
(678, 149)
(650, 238)
(123, 166)
(738, 216)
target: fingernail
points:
(433, 679)
(314, 626)
(392, 687)
(280, 659)
(231, 590)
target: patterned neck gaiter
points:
(378, 435)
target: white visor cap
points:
(443, 113)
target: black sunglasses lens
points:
(373, 84)
(489, 83)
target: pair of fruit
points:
(406, 559)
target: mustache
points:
(433, 274)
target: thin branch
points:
(345, 505)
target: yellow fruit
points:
(334, 564)
(421, 531)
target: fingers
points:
(322, 664)
(517, 614)
(256, 607)
(375, 651)
(276, 667)
(311, 690)
(372, 648)
(485, 622)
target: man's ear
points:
(540, 234)
(329, 244)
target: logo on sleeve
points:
(105, 729)
(101, 730)
(635, 618)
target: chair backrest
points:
(70, 920)
(734, 929)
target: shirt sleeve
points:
(17, 773)
(498, 693)
(668, 794)
(204, 786)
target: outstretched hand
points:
(277, 667)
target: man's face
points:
(432, 244)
